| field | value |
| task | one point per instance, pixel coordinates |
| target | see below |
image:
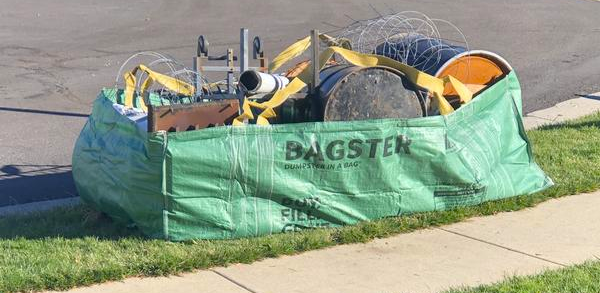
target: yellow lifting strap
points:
(168, 82)
(297, 48)
(424, 80)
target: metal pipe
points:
(243, 49)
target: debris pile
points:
(180, 99)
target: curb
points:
(563, 111)
(567, 110)
(39, 206)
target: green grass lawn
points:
(582, 278)
(75, 246)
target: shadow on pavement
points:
(21, 184)
(591, 97)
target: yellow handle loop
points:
(297, 48)
(168, 82)
(291, 52)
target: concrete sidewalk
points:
(563, 111)
(478, 251)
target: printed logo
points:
(352, 149)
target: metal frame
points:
(314, 41)
(202, 58)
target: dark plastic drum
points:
(358, 93)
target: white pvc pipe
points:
(256, 82)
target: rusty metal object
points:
(297, 69)
(358, 93)
(184, 117)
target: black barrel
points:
(357, 93)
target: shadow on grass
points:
(71, 222)
(570, 125)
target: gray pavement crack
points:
(115, 52)
(504, 247)
(233, 281)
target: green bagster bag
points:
(230, 182)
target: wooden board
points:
(185, 117)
